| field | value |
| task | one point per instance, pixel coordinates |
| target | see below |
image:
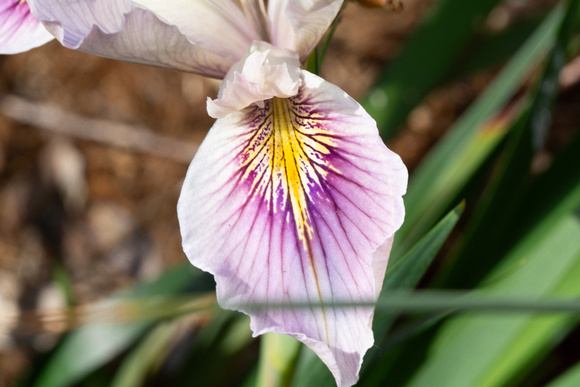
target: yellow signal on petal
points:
(286, 161)
(292, 166)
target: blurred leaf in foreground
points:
(570, 379)
(88, 348)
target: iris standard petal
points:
(255, 11)
(19, 30)
(216, 25)
(206, 37)
(293, 202)
(298, 25)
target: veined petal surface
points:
(297, 201)
(206, 37)
(298, 25)
(216, 25)
(72, 20)
(19, 29)
(255, 11)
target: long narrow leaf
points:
(549, 261)
(488, 233)
(569, 379)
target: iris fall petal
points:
(19, 29)
(297, 201)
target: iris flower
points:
(292, 198)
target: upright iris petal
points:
(299, 24)
(297, 201)
(19, 30)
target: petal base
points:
(264, 72)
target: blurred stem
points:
(314, 63)
(62, 279)
(330, 35)
(278, 358)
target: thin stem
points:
(333, 27)
(278, 358)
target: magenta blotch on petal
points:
(297, 201)
(19, 29)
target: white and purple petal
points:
(298, 25)
(255, 11)
(19, 29)
(297, 201)
(206, 37)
